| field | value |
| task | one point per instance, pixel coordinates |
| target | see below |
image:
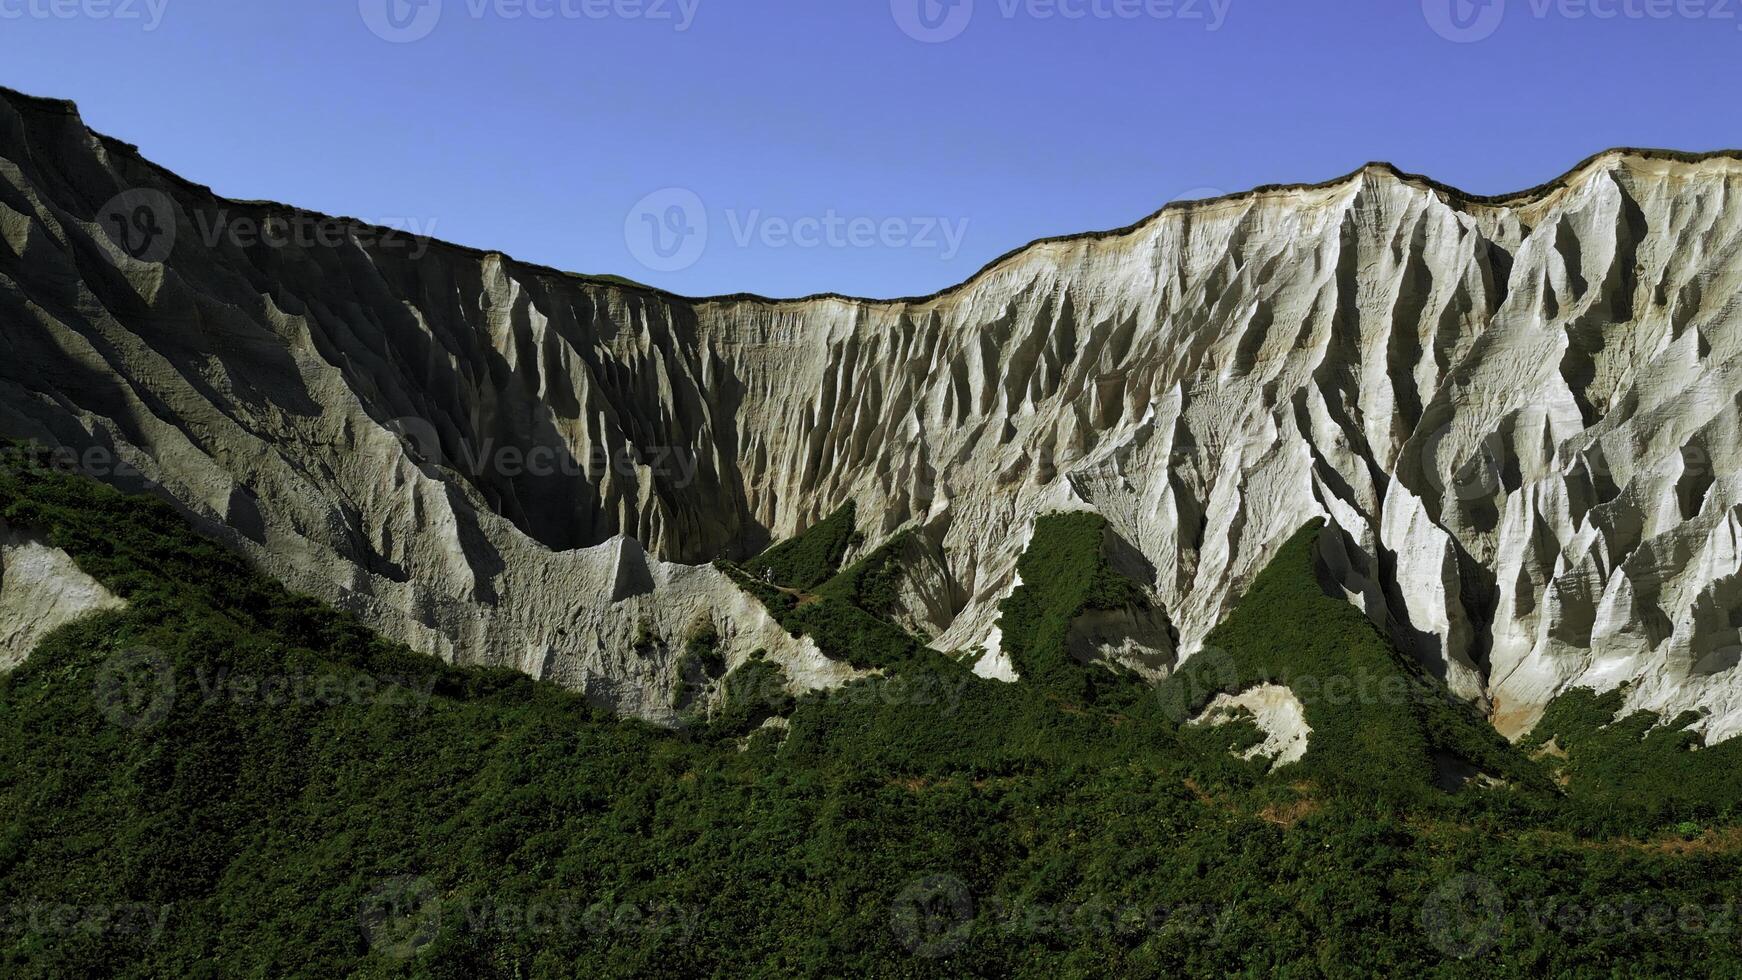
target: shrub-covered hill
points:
(1379, 723)
(227, 780)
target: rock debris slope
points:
(1519, 416)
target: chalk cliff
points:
(1520, 416)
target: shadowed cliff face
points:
(1519, 417)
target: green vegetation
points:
(777, 600)
(801, 584)
(1635, 771)
(843, 631)
(700, 664)
(645, 638)
(872, 583)
(703, 643)
(811, 558)
(750, 695)
(1064, 574)
(228, 780)
(1379, 724)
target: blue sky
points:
(872, 147)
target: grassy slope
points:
(801, 582)
(1087, 837)
(1065, 574)
(1638, 770)
(872, 583)
(812, 557)
(1379, 724)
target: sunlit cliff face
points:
(1518, 415)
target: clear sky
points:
(872, 147)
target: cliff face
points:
(1520, 417)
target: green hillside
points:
(1380, 724)
(228, 780)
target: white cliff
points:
(1519, 415)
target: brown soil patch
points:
(1727, 840)
(1287, 815)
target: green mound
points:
(801, 582)
(809, 559)
(1379, 724)
(872, 582)
(1064, 574)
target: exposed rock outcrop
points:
(1131, 637)
(1519, 415)
(927, 594)
(41, 590)
(1275, 711)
